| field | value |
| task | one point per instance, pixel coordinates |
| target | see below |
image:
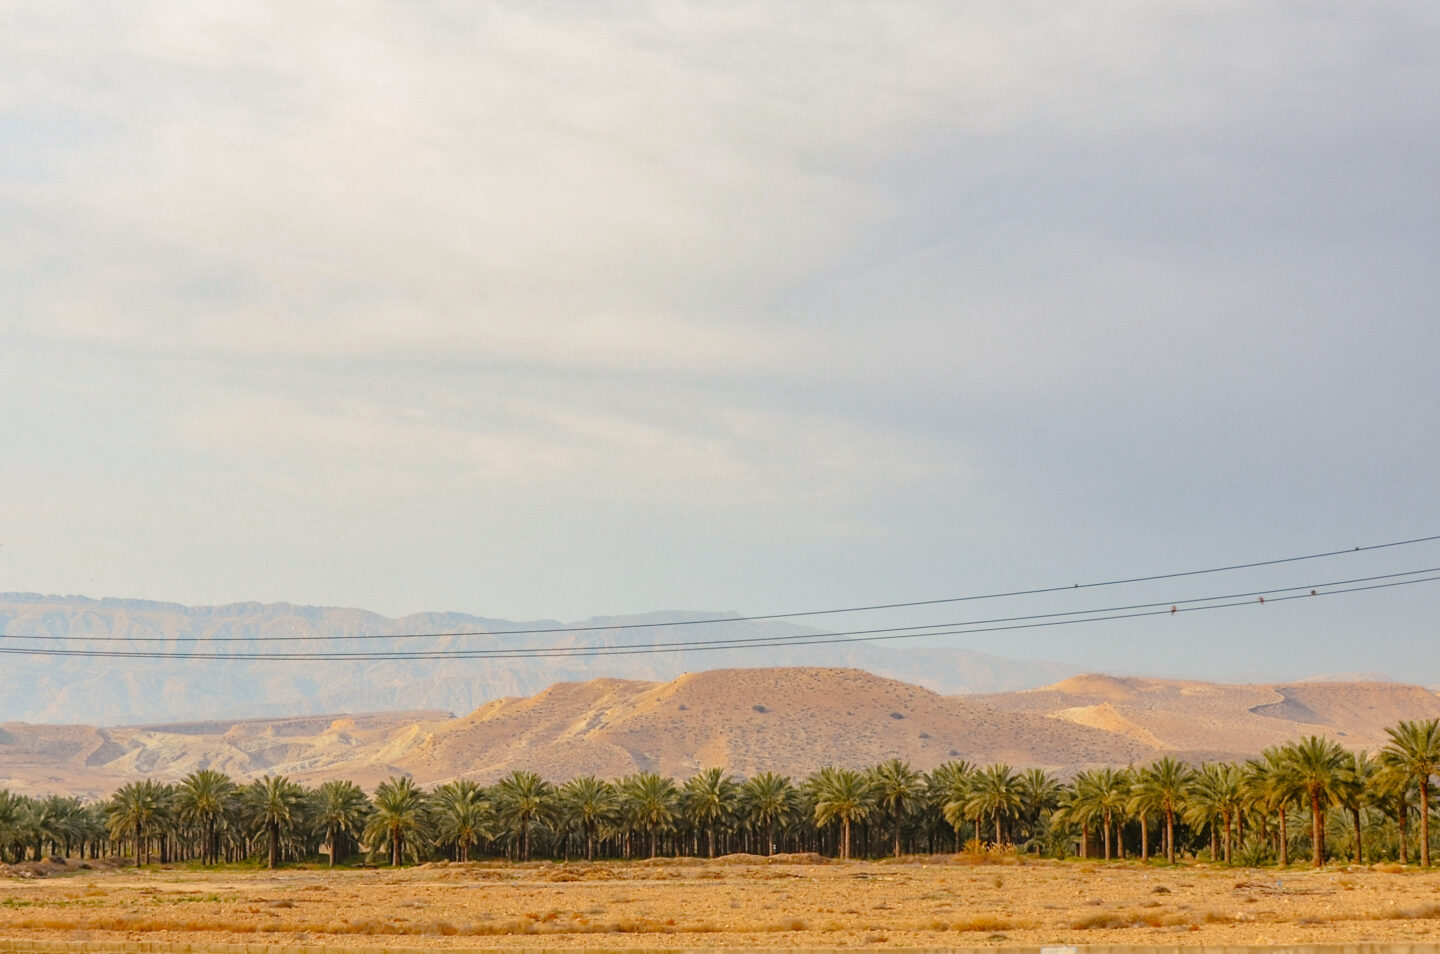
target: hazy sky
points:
(561, 309)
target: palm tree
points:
(1318, 768)
(709, 797)
(134, 808)
(1113, 798)
(592, 802)
(1039, 797)
(340, 812)
(461, 815)
(768, 800)
(12, 813)
(1273, 788)
(49, 820)
(994, 791)
(205, 797)
(398, 817)
(1356, 792)
(651, 802)
(1393, 788)
(1161, 787)
(1081, 806)
(276, 803)
(949, 789)
(898, 788)
(842, 795)
(1414, 748)
(522, 800)
(1218, 794)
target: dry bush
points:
(978, 853)
(988, 923)
(1109, 920)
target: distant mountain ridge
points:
(116, 691)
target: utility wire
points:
(978, 626)
(1037, 591)
(774, 639)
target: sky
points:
(555, 310)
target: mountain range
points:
(187, 686)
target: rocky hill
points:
(789, 720)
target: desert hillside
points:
(1203, 720)
(750, 720)
(788, 720)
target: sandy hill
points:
(1208, 720)
(749, 720)
(789, 720)
(92, 762)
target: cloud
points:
(860, 291)
(352, 453)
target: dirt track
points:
(738, 902)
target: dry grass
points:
(1429, 911)
(924, 901)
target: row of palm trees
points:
(1308, 794)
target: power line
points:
(540, 631)
(781, 639)
(1278, 595)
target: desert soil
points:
(798, 902)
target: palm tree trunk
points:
(1317, 830)
(1425, 821)
(1169, 834)
(998, 836)
(1359, 847)
(845, 839)
(1144, 838)
(1284, 840)
(1401, 817)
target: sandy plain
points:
(736, 902)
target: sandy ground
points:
(736, 902)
